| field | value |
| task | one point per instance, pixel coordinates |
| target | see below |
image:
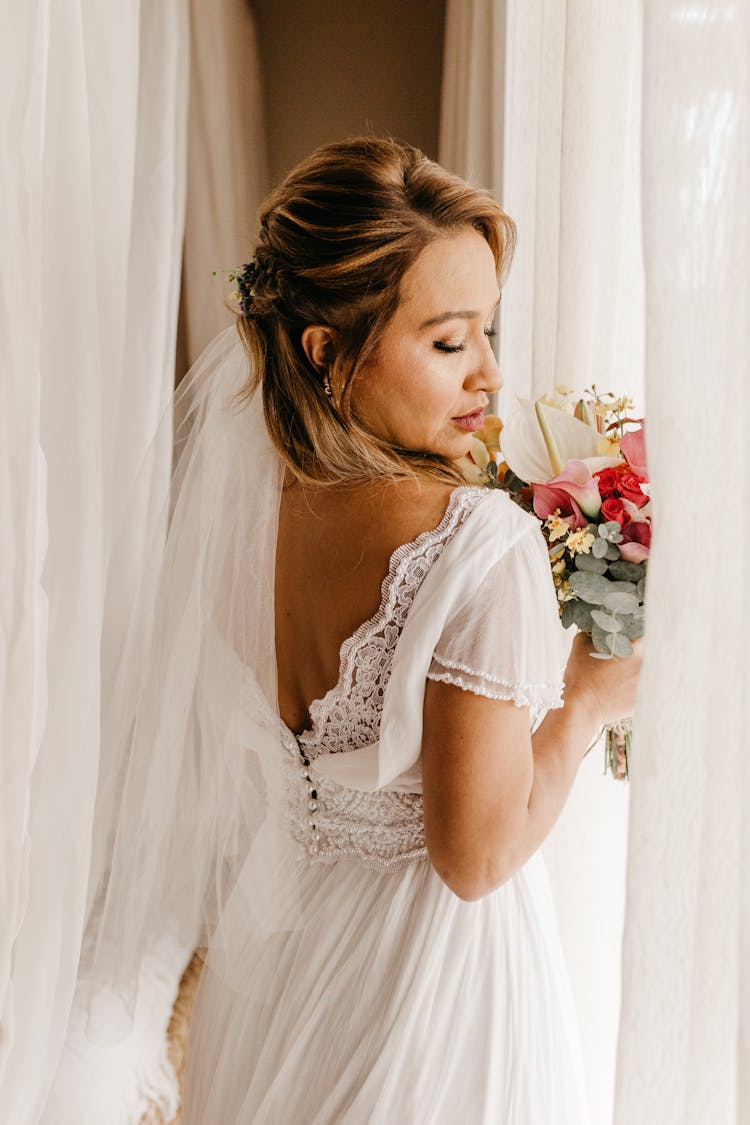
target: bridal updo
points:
(336, 238)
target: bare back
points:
(333, 551)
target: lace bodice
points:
(384, 828)
(381, 829)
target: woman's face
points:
(433, 372)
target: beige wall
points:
(336, 68)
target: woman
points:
(365, 656)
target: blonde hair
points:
(336, 238)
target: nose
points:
(486, 375)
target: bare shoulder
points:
(404, 509)
(377, 515)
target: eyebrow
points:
(459, 314)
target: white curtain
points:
(541, 103)
(684, 1048)
(92, 187)
(227, 162)
(583, 83)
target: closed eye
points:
(450, 348)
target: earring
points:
(327, 385)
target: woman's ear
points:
(319, 344)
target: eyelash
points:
(451, 348)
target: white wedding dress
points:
(394, 1002)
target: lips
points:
(470, 422)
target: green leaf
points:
(590, 564)
(568, 614)
(623, 647)
(641, 589)
(619, 602)
(600, 548)
(635, 627)
(606, 621)
(591, 588)
(611, 531)
(600, 655)
(602, 639)
(627, 571)
(613, 552)
(623, 588)
(582, 616)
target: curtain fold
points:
(92, 187)
(228, 164)
(684, 1049)
(541, 103)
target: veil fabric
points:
(192, 705)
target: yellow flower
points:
(580, 542)
(559, 567)
(564, 593)
(608, 445)
(557, 527)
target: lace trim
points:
(515, 693)
(524, 694)
(395, 588)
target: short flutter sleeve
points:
(506, 641)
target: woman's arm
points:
(492, 791)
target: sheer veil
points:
(190, 710)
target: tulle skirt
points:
(395, 1003)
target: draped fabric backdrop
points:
(227, 163)
(541, 103)
(684, 1047)
(92, 192)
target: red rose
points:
(630, 487)
(614, 509)
(622, 481)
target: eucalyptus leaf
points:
(600, 548)
(582, 616)
(635, 627)
(618, 602)
(641, 589)
(602, 639)
(600, 655)
(611, 531)
(606, 621)
(623, 647)
(627, 571)
(591, 588)
(590, 564)
(622, 587)
(568, 614)
(613, 552)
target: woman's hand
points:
(606, 687)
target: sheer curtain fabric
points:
(92, 189)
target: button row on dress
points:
(312, 804)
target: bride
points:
(350, 734)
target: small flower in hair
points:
(243, 279)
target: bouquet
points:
(580, 466)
